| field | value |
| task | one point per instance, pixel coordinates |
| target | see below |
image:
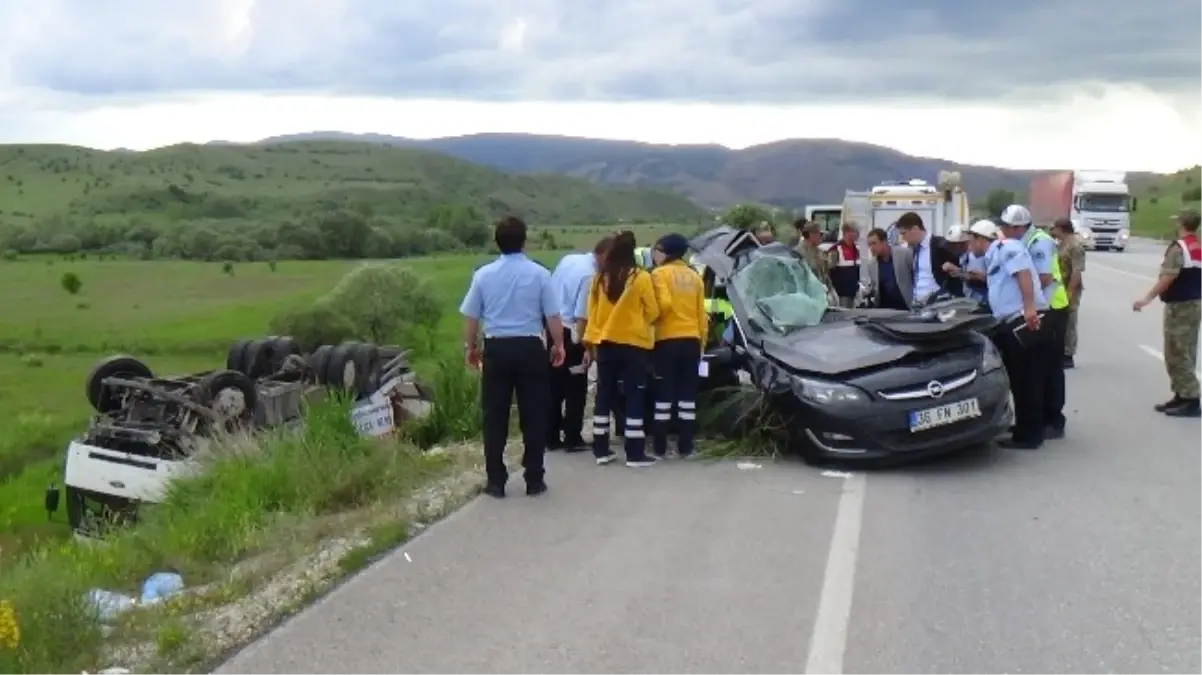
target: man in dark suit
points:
(930, 254)
(888, 272)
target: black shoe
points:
(553, 446)
(576, 446)
(494, 491)
(606, 458)
(1189, 407)
(536, 487)
(1171, 403)
(641, 462)
(1053, 433)
(1012, 444)
(1069, 363)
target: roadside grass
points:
(738, 422)
(251, 499)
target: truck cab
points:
(940, 206)
(1101, 209)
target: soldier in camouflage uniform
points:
(1180, 289)
(1072, 267)
(811, 237)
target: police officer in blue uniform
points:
(513, 301)
(1046, 257)
(1017, 301)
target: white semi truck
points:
(1099, 204)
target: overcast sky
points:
(1023, 83)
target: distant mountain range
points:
(788, 173)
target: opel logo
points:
(935, 388)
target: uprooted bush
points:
(250, 497)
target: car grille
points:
(917, 392)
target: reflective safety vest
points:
(1059, 297)
(719, 306)
(1188, 284)
(642, 257)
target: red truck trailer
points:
(1051, 197)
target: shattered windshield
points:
(781, 292)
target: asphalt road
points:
(1080, 557)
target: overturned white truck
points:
(148, 430)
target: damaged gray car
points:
(848, 384)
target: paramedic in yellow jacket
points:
(680, 333)
(621, 310)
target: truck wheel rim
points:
(230, 403)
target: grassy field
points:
(1161, 199)
(179, 316)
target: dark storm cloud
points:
(697, 50)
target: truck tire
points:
(342, 373)
(281, 348)
(319, 362)
(103, 399)
(258, 359)
(236, 358)
(367, 365)
(231, 394)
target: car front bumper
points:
(884, 433)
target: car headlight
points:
(1123, 234)
(823, 392)
(1085, 233)
(991, 358)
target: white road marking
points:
(829, 640)
(1108, 268)
(1156, 354)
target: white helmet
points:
(956, 234)
(1016, 215)
(984, 228)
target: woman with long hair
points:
(621, 309)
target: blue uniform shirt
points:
(974, 263)
(1004, 260)
(1043, 254)
(570, 279)
(510, 296)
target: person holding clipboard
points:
(1016, 299)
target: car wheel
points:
(319, 361)
(230, 394)
(342, 373)
(235, 359)
(105, 399)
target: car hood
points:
(858, 340)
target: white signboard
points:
(373, 417)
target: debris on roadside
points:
(748, 466)
(836, 474)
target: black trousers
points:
(565, 415)
(514, 365)
(1056, 321)
(1026, 366)
(622, 372)
(675, 391)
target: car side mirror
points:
(722, 356)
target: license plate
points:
(945, 414)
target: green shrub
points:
(313, 326)
(385, 302)
(456, 413)
(71, 283)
